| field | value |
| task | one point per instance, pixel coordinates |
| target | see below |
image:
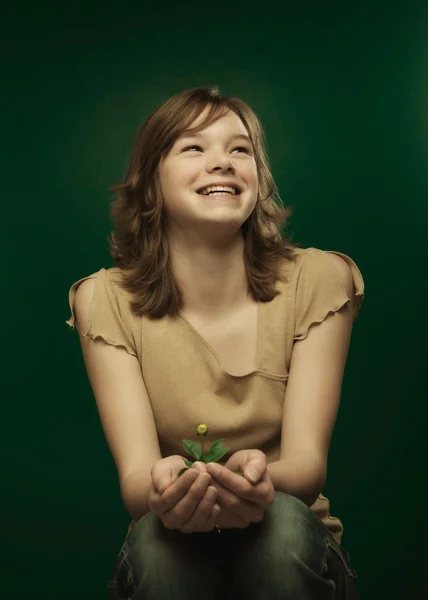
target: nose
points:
(221, 161)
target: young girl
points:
(211, 316)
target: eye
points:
(242, 149)
(195, 146)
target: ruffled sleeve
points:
(111, 318)
(320, 290)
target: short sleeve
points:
(110, 317)
(320, 290)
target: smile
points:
(219, 190)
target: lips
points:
(220, 188)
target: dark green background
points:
(342, 90)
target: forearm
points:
(300, 476)
(135, 493)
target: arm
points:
(123, 406)
(312, 401)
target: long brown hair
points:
(138, 243)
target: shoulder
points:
(326, 280)
(100, 308)
(103, 287)
(109, 278)
(315, 263)
(82, 295)
(344, 270)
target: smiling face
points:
(210, 176)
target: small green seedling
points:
(197, 452)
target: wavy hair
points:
(138, 243)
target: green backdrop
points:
(342, 91)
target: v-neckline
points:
(259, 339)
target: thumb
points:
(254, 471)
(162, 472)
(163, 483)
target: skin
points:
(206, 252)
(204, 233)
(209, 495)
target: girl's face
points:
(220, 155)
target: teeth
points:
(219, 188)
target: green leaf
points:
(216, 452)
(183, 470)
(188, 462)
(193, 449)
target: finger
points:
(263, 493)
(251, 462)
(259, 493)
(185, 507)
(255, 467)
(266, 490)
(199, 466)
(247, 510)
(211, 522)
(230, 480)
(177, 490)
(182, 512)
(202, 513)
(212, 519)
(164, 472)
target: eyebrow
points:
(236, 136)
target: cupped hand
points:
(186, 503)
(242, 500)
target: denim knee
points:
(148, 554)
(158, 563)
(290, 530)
(285, 555)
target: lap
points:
(175, 560)
(291, 538)
(289, 530)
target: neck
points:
(212, 279)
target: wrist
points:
(135, 491)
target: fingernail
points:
(253, 475)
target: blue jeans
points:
(290, 555)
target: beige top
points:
(187, 384)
